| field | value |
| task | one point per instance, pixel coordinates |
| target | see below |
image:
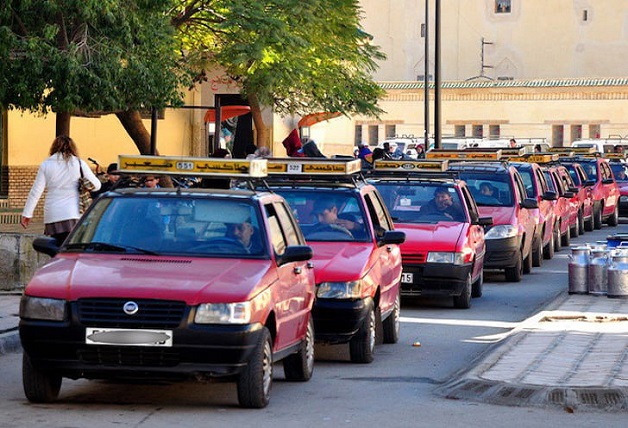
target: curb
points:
(10, 342)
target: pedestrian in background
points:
(59, 175)
(310, 149)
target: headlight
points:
(501, 231)
(623, 199)
(445, 257)
(39, 308)
(223, 313)
(340, 290)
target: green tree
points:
(296, 56)
(87, 57)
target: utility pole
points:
(426, 80)
(437, 125)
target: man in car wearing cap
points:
(112, 178)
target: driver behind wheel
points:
(245, 234)
(326, 210)
(443, 204)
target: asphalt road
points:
(395, 390)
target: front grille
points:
(152, 314)
(412, 259)
(129, 356)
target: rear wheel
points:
(581, 222)
(537, 254)
(476, 290)
(564, 239)
(255, 382)
(527, 263)
(557, 236)
(575, 230)
(613, 220)
(362, 345)
(39, 386)
(463, 301)
(300, 366)
(514, 274)
(588, 224)
(597, 216)
(548, 250)
(392, 324)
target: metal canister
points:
(598, 271)
(578, 270)
(618, 276)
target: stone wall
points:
(18, 260)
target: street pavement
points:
(573, 355)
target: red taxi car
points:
(499, 192)
(357, 260)
(620, 172)
(173, 284)
(603, 188)
(583, 193)
(565, 207)
(443, 255)
(537, 187)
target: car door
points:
(293, 291)
(523, 215)
(476, 232)
(611, 190)
(388, 256)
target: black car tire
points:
(392, 324)
(613, 219)
(565, 238)
(548, 250)
(463, 301)
(362, 345)
(557, 237)
(537, 254)
(514, 274)
(527, 263)
(478, 285)
(39, 386)
(255, 381)
(597, 216)
(300, 366)
(588, 224)
(581, 227)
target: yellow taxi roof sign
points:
(539, 158)
(180, 165)
(506, 152)
(411, 165)
(562, 152)
(576, 150)
(620, 156)
(313, 166)
(464, 154)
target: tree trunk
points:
(62, 123)
(260, 126)
(131, 120)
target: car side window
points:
(606, 172)
(520, 188)
(378, 214)
(287, 224)
(541, 180)
(470, 203)
(277, 237)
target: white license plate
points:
(128, 337)
(407, 278)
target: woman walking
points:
(59, 175)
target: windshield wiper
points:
(103, 246)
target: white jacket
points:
(60, 178)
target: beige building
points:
(552, 69)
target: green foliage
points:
(88, 55)
(297, 56)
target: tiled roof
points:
(538, 83)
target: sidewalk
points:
(9, 318)
(573, 355)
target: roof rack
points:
(200, 167)
(467, 154)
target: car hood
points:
(342, 261)
(501, 215)
(75, 276)
(442, 236)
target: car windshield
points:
(489, 189)
(211, 227)
(327, 215)
(415, 202)
(619, 171)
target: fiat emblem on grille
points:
(130, 308)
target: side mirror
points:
(589, 183)
(529, 203)
(392, 237)
(46, 245)
(484, 221)
(568, 194)
(295, 253)
(550, 196)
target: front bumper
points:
(337, 321)
(501, 253)
(434, 279)
(197, 350)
